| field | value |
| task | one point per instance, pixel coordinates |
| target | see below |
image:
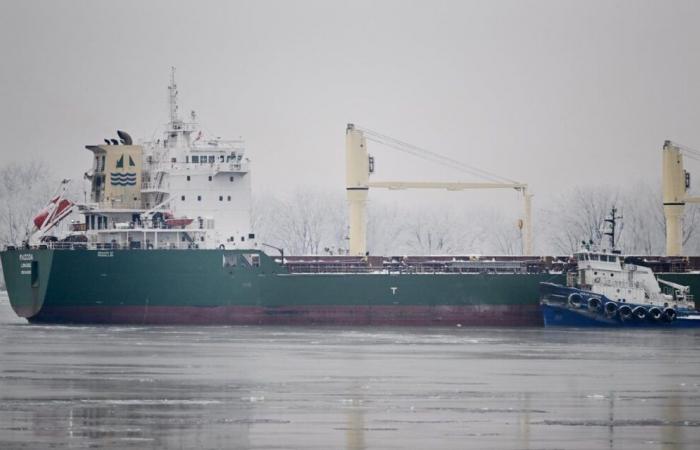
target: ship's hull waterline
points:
(217, 287)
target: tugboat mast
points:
(612, 220)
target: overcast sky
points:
(550, 93)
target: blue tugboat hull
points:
(557, 311)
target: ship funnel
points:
(125, 137)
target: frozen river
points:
(345, 388)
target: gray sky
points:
(549, 93)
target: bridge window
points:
(199, 198)
(188, 178)
(221, 198)
(229, 198)
(209, 177)
(230, 179)
(182, 198)
(195, 158)
(212, 158)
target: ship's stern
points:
(26, 275)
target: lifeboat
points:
(181, 222)
(176, 222)
(54, 210)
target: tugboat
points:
(608, 290)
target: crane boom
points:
(358, 169)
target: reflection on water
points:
(319, 388)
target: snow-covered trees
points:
(578, 214)
(24, 190)
(303, 222)
(310, 221)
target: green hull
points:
(223, 287)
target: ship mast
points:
(175, 122)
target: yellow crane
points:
(675, 181)
(359, 165)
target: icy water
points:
(345, 388)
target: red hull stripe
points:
(480, 315)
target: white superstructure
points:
(182, 190)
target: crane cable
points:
(688, 151)
(432, 156)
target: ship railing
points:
(218, 166)
(392, 265)
(134, 245)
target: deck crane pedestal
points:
(359, 165)
(675, 183)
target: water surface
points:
(346, 388)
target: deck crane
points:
(359, 165)
(675, 181)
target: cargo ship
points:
(166, 238)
